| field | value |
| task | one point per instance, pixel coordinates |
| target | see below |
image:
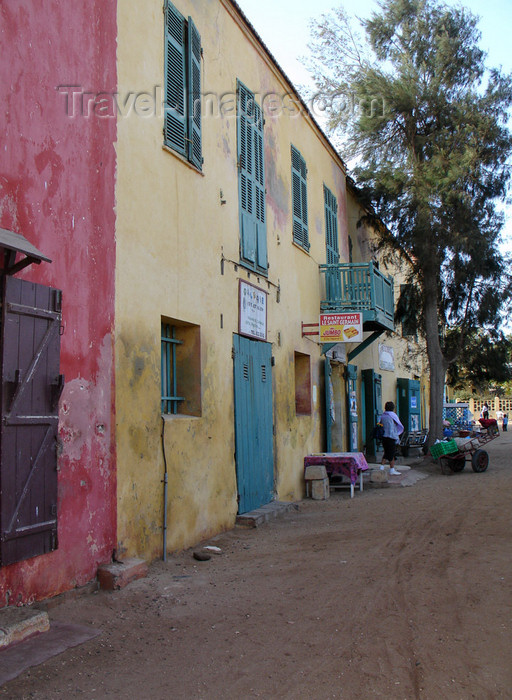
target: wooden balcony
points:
(351, 287)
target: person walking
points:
(505, 422)
(485, 411)
(393, 428)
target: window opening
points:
(170, 400)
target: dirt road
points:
(399, 593)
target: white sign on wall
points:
(386, 357)
(252, 315)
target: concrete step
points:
(119, 574)
(267, 512)
(17, 624)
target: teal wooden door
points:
(409, 403)
(254, 453)
(372, 383)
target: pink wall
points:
(57, 189)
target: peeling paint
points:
(57, 189)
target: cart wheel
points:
(457, 464)
(480, 461)
(404, 449)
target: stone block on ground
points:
(16, 624)
(315, 471)
(320, 489)
(119, 574)
(379, 476)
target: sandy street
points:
(399, 593)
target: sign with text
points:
(252, 317)
(341, 328)
(386, 357)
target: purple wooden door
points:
(31, 386)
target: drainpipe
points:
(164, 481)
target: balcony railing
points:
(359, 287)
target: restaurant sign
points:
(341, 328)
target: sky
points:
(284, 27)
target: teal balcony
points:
(351, 287)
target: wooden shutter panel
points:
(194, 95)
(175, 105)
(333, 276)
(31, 386)
(331, 227)
(251, 174)
(245, 113)
(259, 188)
(299, 199)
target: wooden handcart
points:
(453, 459)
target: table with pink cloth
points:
(349, 464)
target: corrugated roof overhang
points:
(13, 243)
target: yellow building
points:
(228, 199)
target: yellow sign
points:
(341, 328)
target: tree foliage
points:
(485, 366)
(426, 124)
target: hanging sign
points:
(341, 328)
(252, 317)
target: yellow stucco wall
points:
(173, 228)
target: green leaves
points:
(434, 161)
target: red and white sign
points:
(341, 328)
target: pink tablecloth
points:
(350, 464)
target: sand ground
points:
(398, 593)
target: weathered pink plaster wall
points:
(57, 171)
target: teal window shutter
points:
(251, 177)
(245, 175)
(331, 227)
(175, 105)
(194, 95)
(332, 276)
(300, 200)
(259, 189)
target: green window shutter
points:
(300, 199)
(332, 276)
(251, 176)
(245, 114)
(331, 227)
(259, 189)
(175, 121)
(194, 95)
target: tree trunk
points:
(436, 359)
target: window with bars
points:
(299, 199)
(170, 398)
(180, 368)
(182, 65)
(251, 181)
